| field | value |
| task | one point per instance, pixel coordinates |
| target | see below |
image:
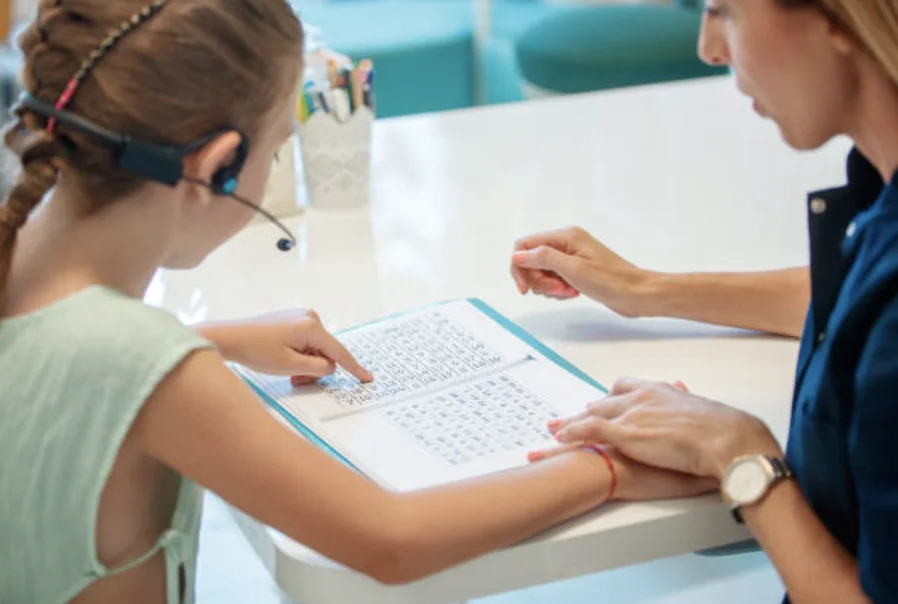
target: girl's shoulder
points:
(96, 334)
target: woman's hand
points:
(667, 427)
(292, 343)
(565, 263)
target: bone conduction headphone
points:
(160, 163)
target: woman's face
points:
(794, 64)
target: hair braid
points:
(41, 154)
(165, 76)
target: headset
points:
(160, 163)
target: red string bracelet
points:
(604, 454)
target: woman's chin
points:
(802, 141)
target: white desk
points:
(675, 177)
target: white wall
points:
(24, 9)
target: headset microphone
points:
(227, 188)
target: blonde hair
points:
(873, 24)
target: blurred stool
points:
(610, 46)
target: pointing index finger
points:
(339, 354)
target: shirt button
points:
(851, 230)
(821, 336)
(818, 206)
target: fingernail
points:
(561, 436)
(535, 455)
(555, 423)
(519, 257)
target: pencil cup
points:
(336, 159)
(281, 197)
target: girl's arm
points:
(206, 424)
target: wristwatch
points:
(748, 479)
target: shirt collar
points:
(830, 214)
(864, 183)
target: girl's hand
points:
(292, 343)
(639, 482)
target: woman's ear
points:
(204, 163)
(841, 40)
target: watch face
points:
(746, 481)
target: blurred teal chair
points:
(610, 46)
(431, 55)
(437, 55)
(498, 25)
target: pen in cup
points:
(339, 90)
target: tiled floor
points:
(230, 573)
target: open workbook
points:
(459, 391)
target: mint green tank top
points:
(73, 377)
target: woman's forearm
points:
(812, 564)
(770, 301)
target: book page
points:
(455, 395)
(491, 415)
(475, 428)
(420, 353)
(410, 355)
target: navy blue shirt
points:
(843, 440)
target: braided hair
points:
(40, 151)
(167, 71)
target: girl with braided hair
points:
(113, 415)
